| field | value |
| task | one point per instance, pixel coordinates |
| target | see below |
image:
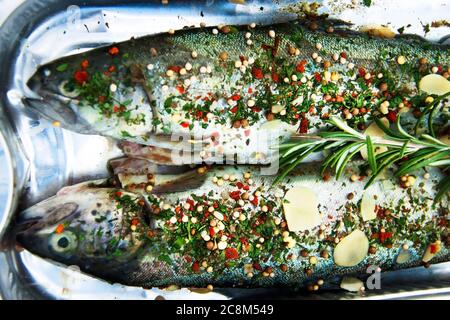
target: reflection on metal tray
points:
(37, 158)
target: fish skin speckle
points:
(176, 50)
(151, 256)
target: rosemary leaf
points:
(371, 154)
(443, 187)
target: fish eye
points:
(63, 242)
(68, 89)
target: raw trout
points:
(227, 228)
(229, 95)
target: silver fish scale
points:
(331, 196)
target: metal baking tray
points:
(36, 158)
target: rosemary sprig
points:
(408, 152)
(430, 112)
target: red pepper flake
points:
(301, 66)
(304, 124)
(234, 109)
(211, 231)
(266, 46)
(59, 229)
(81, 76)
(246, 188)
(114, 51)
(362, 72)
(199, 114)
(134, 221)
(191, 204)
(180, 89)
(242, 58)
(275, 77)
(235, 97)
(240, 185)
(215, 205)
(243, 240)
(185, 124)
(101, 99)
(257, 73)
(385, 236)
(196, 267)
(343, 55)
(112, 69)
(174, 68)
(254, 201)
(317, 77)
(250, 90)
(433, 248)
(235, 195)
(85, 64)
(257, 266)
(392, 116)
(231, 254)
(119, 193)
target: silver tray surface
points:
(36, 158)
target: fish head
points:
(54, 95)
(86, 226)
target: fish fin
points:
(178, 183)
(138, 77)
(100, 183)
(142, 166)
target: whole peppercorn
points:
(324, 254)
(372, 250)
(330, 29)
(383, 86)
(225, 29)
(291, 50)
(361, 126)
(423, 61)
(284, 267)
(304, 253)
(223, 56)
(237, 124)
(308, 272)
(313, 26)
(270, 116)
(210, 245)
(350, 196)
